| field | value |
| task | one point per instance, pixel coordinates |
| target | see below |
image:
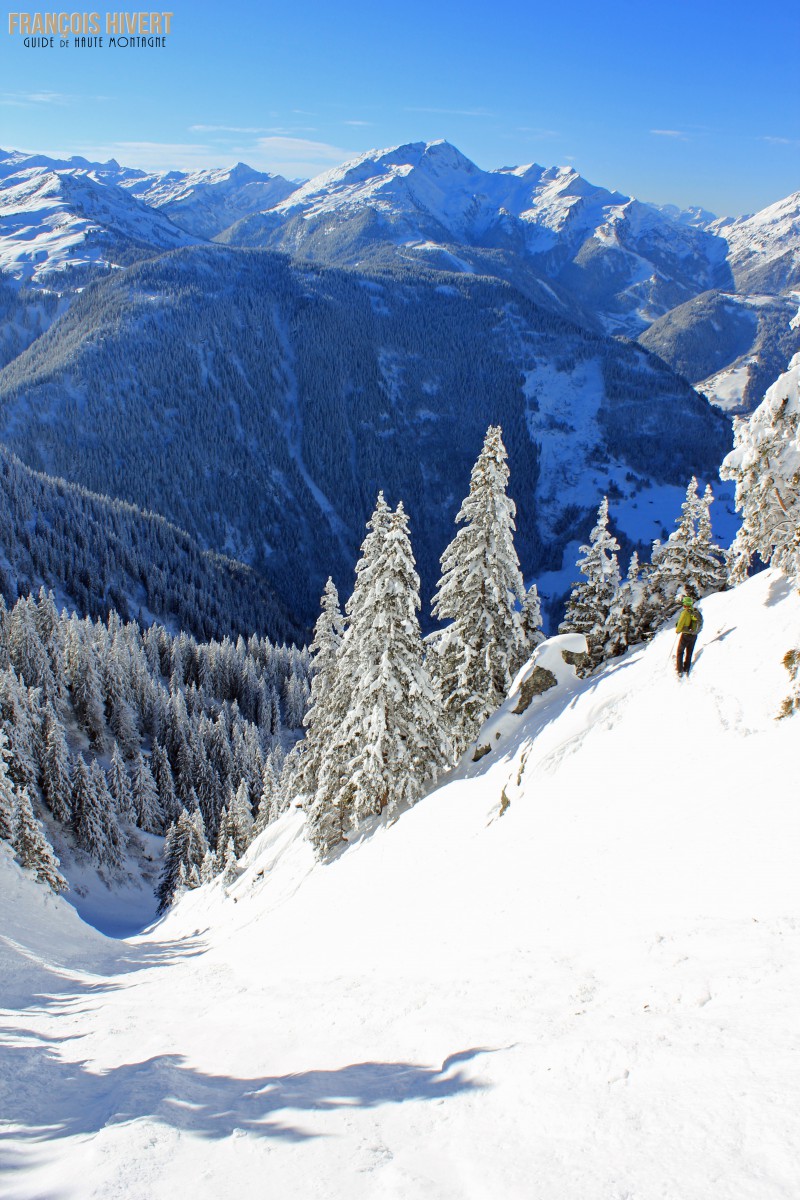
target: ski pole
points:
(671, 651)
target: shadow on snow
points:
(32, 983)
(51, 1099)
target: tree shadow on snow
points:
(31, 982)
(44, 1098)
(779, 589)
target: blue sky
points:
(689, 102)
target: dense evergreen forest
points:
(102, 555)
(260, 404)
(112, 728)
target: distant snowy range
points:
(358, 838)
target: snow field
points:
(590, 997)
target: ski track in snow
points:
(590, 997)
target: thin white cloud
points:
(155, 156)
(291, 148)
(453, 112)
(678, 134)
(277, 130)
(358, 123)
(781, 141)
(228, 129)
(34, 99)
(291, 156)
(533, 132)
(295, 156)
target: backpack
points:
(697, 621)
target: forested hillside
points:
(108, 730)
(261, 405)
(102, 555)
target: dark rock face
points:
(537, 683)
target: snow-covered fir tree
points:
(315, 778)
(209, 867)
(224, 834)
(145, 797)
(111, 852)
(32, 848)
(119, 785)
(689, 561)
(531, 617)
(119, 712)
(295, 698)
(229, 867)
(56, 780)
(765, 465)
(590, 604)
(8, 793)
(93, 820)
(20, 710)
(384, 739)
(83, 680)
(268, 803)
(478, 653)
(241, 818)
(168, 804)
(625, 621)
(324, 655)
(26, 650)
(185, 852)
(671, 561)
(710, 558)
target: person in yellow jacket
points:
(689, 625)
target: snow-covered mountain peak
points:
(14, 161)
(696, 216)
(362, 178)
(765, 248)
(530, 172)
(170, 187)
(60, 219)
(777, 221)
(204, 202)
(416, 183)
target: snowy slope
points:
(731, 347)
(764, 249)
(200, 203)
(590, 997)
(60, 221)
(206, 202)
(14, 161)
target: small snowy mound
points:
(546, 679)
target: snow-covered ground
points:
(61, 220)
(726, 388)
(769, 237)
(592, 996)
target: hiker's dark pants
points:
(685, 650)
